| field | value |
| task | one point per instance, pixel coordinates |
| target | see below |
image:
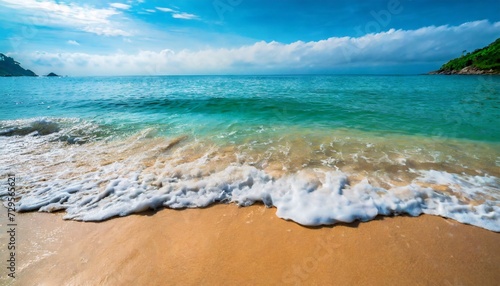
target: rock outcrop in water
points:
(480, 62)
(9, 67)
(53, 75)
(469, 70)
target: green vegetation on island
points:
(9, 67)
(481, 61)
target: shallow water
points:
(321, 149)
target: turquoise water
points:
(456, 107)
(321, 149)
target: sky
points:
(145, 37)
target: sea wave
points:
(70, 130)
(101, 179)
(322, 198)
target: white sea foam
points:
(101, 180)
(318, 198)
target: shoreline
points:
(251, 245)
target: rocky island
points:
(480, 62)
(9, 67)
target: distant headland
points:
(10, 67)
(480, 62)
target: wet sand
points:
(228, 245)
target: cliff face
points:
(481, 61)
(9, 67)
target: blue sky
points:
(143, 37)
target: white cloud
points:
(431, 44)
(120, 6)
(178, 14)
(185, 16)
(163, 9)
(60, 14)
(73, 42)
(150, 10)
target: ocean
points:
(320, 149)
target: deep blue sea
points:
(321, 149)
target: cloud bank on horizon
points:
(139, 37)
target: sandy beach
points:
(228, 245)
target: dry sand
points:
(228, 245)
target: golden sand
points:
(228, 245)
